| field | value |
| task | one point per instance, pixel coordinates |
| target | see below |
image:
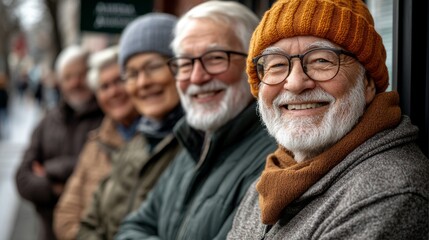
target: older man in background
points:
(58, 139)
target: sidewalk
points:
(17, 219)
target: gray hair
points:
(68, 55)
(98, 61)
(226, 13)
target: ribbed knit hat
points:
(151, 32)
(347, 23)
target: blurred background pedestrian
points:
(58, 139)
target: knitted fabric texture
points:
(152, 32)
(284, 180)
(347, 23)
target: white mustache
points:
(213, 85)
(316, 95)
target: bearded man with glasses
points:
(347, 165)
(224, 142)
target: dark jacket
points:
(379, 191)
(55, 143)
(197, 196)
(135, 171)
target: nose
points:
(199, 75)
(76, 81)
(298, 81)
(142, 79)
(113, 89)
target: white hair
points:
(68, 55)
(226, 13)
(99, 60)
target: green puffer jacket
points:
(134, 173)
(197, 196)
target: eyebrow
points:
(211, 47)
(269, 50)
(323, 44)
(214, 46)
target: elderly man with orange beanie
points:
(347, 165)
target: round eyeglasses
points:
(213, 62)
(320, 64)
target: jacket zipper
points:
(204, 153)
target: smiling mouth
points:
(206, 94)
(152, 94)
(304, 106)
(117, 101)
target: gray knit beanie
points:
(152, 32)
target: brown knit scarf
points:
(284, 180)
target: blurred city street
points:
(18, 221)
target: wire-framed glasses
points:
(320, 64)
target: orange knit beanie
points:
(347, 23)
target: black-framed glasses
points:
(319, 64)
(213, 62)
(149, 69)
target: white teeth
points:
(204, 95)
(303, 106)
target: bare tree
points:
(8, 25)
(52, 7)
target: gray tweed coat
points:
(379, 191)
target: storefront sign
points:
(110, 16)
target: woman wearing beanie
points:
(143, 53)
(347, 165)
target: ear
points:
(369, 89)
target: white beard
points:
(307, 137)
(78, 103)
(211, 116)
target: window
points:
(382, 11)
